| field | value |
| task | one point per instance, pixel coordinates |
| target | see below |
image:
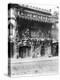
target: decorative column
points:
(12, 19)
(31, 52)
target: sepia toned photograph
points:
(33, 45)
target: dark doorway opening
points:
(24, 51)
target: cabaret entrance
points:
(34, 38)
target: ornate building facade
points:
(31, 33)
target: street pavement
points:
(43, 66)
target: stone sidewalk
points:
(38, 66)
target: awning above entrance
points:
(39, 18)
